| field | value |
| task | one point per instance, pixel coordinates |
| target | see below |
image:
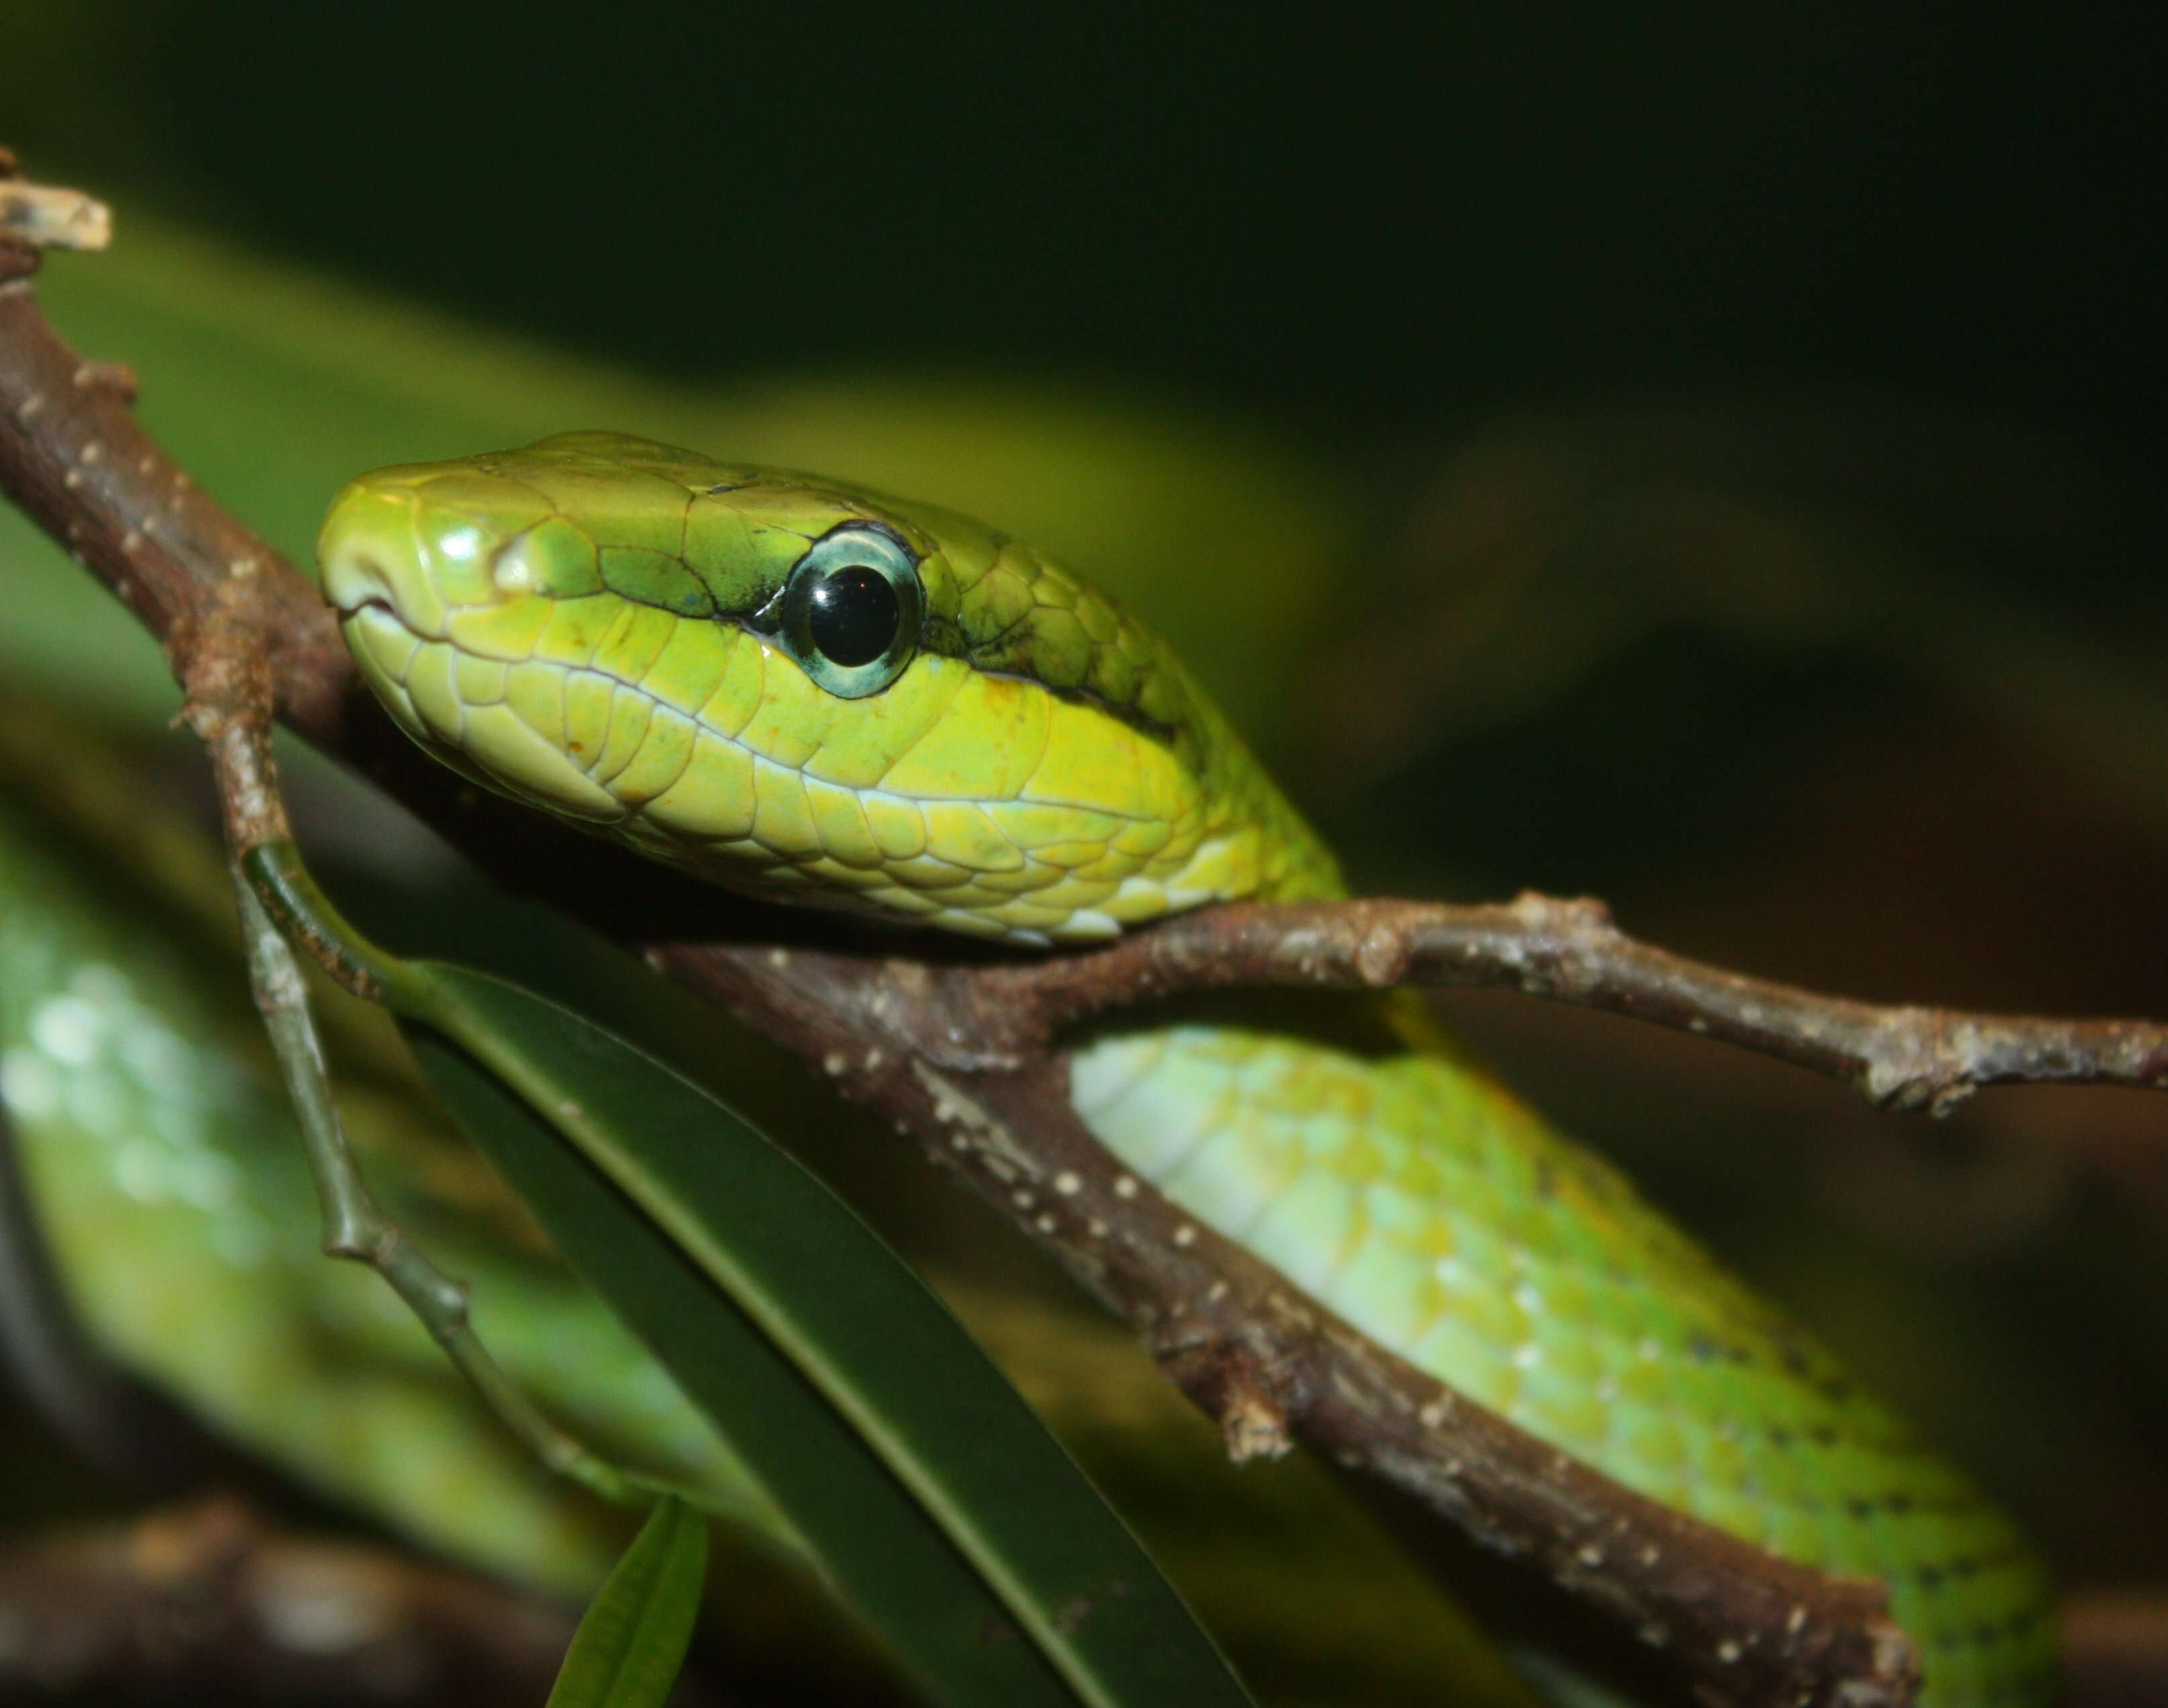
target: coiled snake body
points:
(805, 690)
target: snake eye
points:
(854, 616)
(850, 611)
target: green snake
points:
(805, 690)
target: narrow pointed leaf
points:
(932, 1495)
(895, 1569)
(632, 1639)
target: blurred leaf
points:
(1303, 1588)
(946, 1514)
(632, 1639)
(272, 387)
(170, 1192)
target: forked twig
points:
(224, 669)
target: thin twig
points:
(356, 1228)
(224, 667)
(1898, 1057)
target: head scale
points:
(800, 689)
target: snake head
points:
(797, 688)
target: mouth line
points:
(383, 606)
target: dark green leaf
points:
(632, 1640)
(930, 1492)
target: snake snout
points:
(356, 585)
(374, 556)
(354, 576)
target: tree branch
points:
(2115, 1647)
(1268, 1362)
(1898, 1057)
(207, 1602)
(962, 1055)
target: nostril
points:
(353, 577)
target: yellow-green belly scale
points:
(618, 632)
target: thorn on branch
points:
(1225, 1381)
(115, 377)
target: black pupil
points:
(854, 615)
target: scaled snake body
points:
(808, 692)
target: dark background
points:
(1355, 226)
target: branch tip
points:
(44, 217)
